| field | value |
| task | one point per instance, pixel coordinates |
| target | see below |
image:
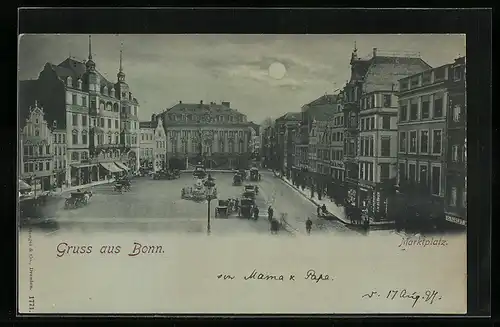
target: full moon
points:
(277, 70)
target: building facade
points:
(214, 134)
(370, 134)
(153, 144)
(37, 156)
(288, 124)
(456, 154)
(59, 150)
(422, 154)
(98, 116)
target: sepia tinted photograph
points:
(358, 142)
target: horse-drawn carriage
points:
(165, 174)
(252, 188)
(246, 208)
(199, 171)
(237, 179)
(122, 185)
(223, 209)
(77, 200)
(254, 174)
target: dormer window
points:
(79, 82)
(69, 81)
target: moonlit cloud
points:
(163, 69)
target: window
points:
(75, 138)
(367, 147)
(414, 81)
(74, 99)
(109, 123)
(116, 123)
(385, 146)
(26, 168)
(58, 138)
(84, 120)
(84, 101)
(109, 139)
(84, 155)
(454, 153)
(423, 175)
(412, 172)
(387, 100)
(402, 141)
(402, 171)
(40, 150)
(436, 141)
(436, 180)
(413, 109)
(40, 166)
(102, 122)
(439, 73)
(384, 171)
(457, 73)
(438, 105)
(37, 132)
(425, 110)
(426, 78)
(403, 85)
(84, 138)
(372, 123)
(47, 165)
(413, 142)
(403, 112)
(75, 119)
(456, 113)
(386, 122)
(47, 149)
(74, 156)
(93, 104)
(453, 197)
(371, 146)
(424, 141)
(362, 146)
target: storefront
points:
(81, 174)
(111, 169)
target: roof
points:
(325, 99)
(76, 69)
(384, 72)
(148, 124)
(322, 112)
(198, 108)
(291, 116)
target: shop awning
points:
(110, 167)
(121, 165)
(22, 185)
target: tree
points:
(268, 121)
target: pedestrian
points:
(308, 225)
(270, 213)
(318, 210)
(323, 208)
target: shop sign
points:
(456, 220)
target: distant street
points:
(156, 205)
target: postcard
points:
(242, 174)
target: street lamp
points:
(209, 184)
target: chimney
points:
(374, 52)
(180, 102)
(226, 104)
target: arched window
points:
(101, 105)
(69, 81)
(37, 132)
(112, 92)
(79, 84)
(115, 107)
(105, 90)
